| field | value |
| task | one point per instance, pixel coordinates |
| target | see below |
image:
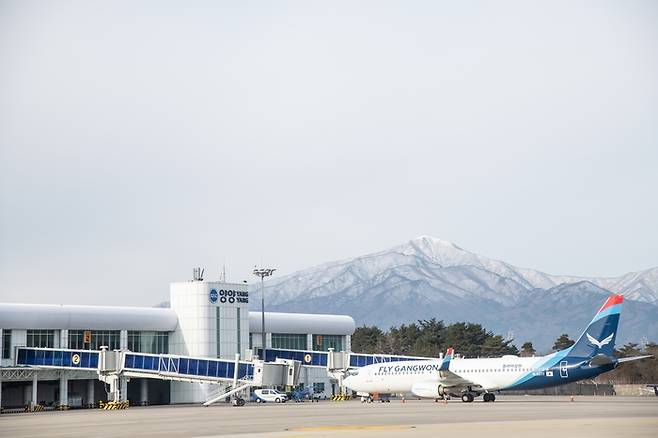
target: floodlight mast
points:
(262, 273)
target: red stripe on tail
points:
(611, 301)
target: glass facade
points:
(239, 343)
(325, 342)
(289, 341)
(110, 338)
(148, 342)
(41, 338)
(6, 344)
(217, 330)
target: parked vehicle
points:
(269, 395)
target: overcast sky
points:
(141, 139)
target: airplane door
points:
(564, 371)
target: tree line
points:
(430, 338)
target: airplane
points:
(591, 355)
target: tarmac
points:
(536, 416)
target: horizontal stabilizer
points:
(601, 359)
(630, 359)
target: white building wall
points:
(63, 339)
(123, 339)
(197, 330)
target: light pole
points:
(262, 273)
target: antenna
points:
(197, 274)
(223, 277)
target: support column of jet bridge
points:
(109, 372)
(338, 363)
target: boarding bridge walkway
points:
(280, 368)
(334, 359)
(158, 366)
(113, 367)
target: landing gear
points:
(467, 397)
(488, 397)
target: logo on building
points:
(229, 296)
(307, 358)
(75, 359)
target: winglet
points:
(446, 359)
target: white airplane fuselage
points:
(402, 377)
(592, 354)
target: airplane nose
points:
(349, 382)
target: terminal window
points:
(289, 341)
(110, 338)
(238, 330)
(148, 342)
(6, 344)
(325, 342)
(41, 338)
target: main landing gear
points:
(487, 397)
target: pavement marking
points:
(352, 427)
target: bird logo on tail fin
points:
(601, 343)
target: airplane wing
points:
(449, 379)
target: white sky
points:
(140, 139)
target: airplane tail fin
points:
(446, 359)
(599, 336)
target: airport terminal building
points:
(205, 319)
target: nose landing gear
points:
(488, 397)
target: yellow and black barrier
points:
(340, 397)
(112, 406)
(36, 408)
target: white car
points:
(270, 395)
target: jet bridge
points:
(114, 367)
(338, 364)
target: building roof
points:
(300, 323)
(62, 317)
(70, 317)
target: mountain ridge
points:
(428, 277)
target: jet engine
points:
(426, 389)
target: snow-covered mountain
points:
(428, 277)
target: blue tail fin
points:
(446, 359)
(599, 336)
